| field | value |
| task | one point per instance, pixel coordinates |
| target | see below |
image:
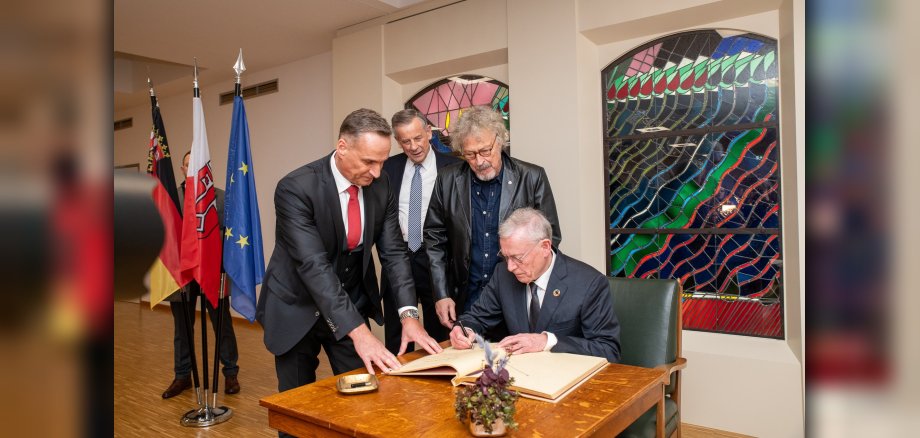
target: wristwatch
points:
(409, 313)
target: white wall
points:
(287, 129)
(552, 54)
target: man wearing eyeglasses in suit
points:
(469, 201)
(549, 301)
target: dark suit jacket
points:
(301, 284)
(581, 316)
(395, 167)
(447, 226)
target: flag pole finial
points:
(195, 91)
(150, 86)
(196, 72)
(239, 67)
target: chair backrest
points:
(649, 315)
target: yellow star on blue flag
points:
(244, 240)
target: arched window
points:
(693, 188)
(443, 101)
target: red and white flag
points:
(201, 241)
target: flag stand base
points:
(206, 416)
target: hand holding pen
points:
(461, 338)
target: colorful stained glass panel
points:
(693, 176)
(444, 101)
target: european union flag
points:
(244, 261)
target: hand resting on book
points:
(524, 343)
(462, 338)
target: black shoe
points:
(177, 386)
(231, 385)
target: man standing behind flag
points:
(321, 283)
(182, 351)
(201, 251)
(243, 258)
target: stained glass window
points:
(445, 100)
(692, 159)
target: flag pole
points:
(245, 264)
(208, 414)
(183, 294)
(239, 68)
(217, 335)
(204, 349)
(204, 316)
(190, 339)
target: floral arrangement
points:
(489, 399)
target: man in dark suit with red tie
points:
(320, 286)
(412, 176)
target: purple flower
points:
(502, 377)
(488, 377)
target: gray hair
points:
(528, 222)
(475, 120)
(406, 116)
(364, 120)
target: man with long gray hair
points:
(469, 200)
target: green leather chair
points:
(650, 337)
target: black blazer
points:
(447, 226)
(580, 315)
(301, 284)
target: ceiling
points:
(162, 38)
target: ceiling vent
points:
(253, 91)
(124, 123)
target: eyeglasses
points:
(518, 259)
(484, 153)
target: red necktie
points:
(354, 218)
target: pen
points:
(462, 328)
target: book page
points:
(564, 393)
(548, 375)
(449, 362)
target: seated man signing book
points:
(549, 301)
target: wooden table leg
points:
(659, 417)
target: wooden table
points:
(424, 406)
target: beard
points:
(485, 172)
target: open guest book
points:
(542, 376)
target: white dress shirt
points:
(541, 283)
(341, 186)
(429, 172)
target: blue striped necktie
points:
(415, 210)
